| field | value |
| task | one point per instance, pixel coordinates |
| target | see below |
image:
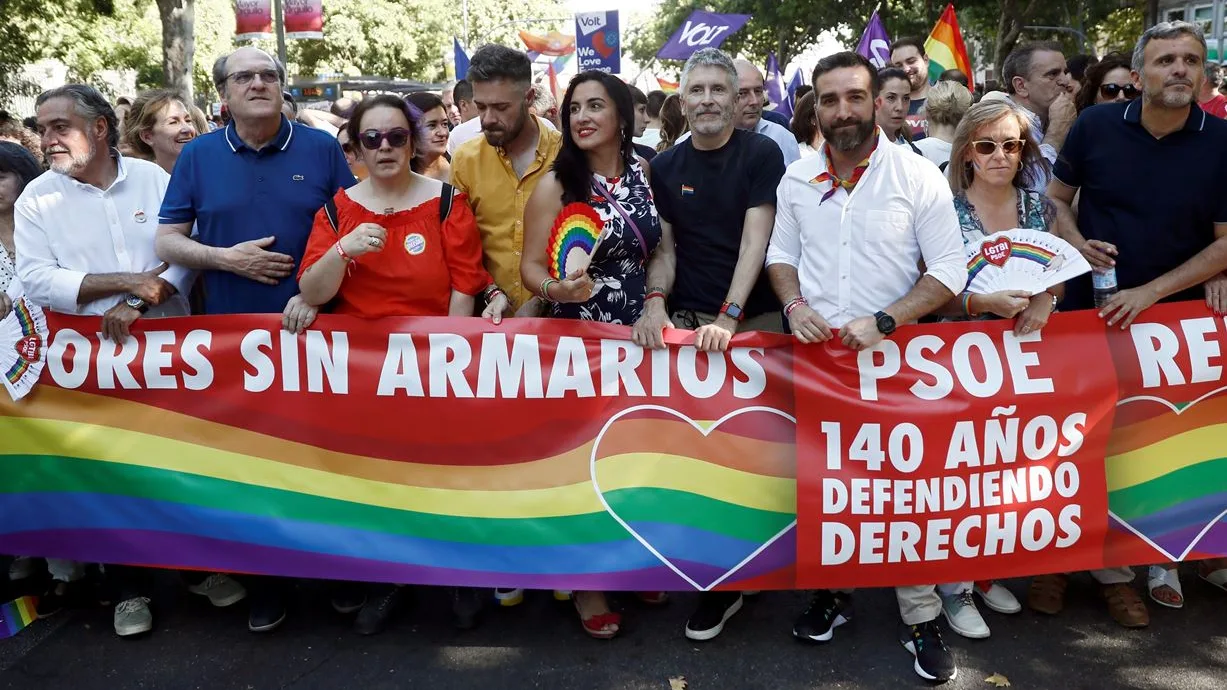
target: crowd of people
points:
(719, 216)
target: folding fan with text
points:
(1019, 259)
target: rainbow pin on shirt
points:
(687, 190)
(573, 240)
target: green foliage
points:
(1119, 31)
(409, 39)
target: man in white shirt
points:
(84, 233)
(749, 114)
(1037, 80)
(852, 226)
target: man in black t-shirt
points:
(715, 193)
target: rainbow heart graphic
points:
(1167, 472)
(707, 499)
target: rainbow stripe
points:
(578, 227)
(1028, 252)
(26, 320)
(945, 47)
(136, 484)
(16, 615)
(1167, 473)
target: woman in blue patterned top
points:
(992, 161)
(597, 166)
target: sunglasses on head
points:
(396, 137)
(986, 147)
(1110, 90)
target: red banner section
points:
(954, 452)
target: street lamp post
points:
(279, 27)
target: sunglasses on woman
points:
(1110, 90)
(396, 138)
(986, 147)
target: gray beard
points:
(75, 163)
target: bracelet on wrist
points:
(653, 293)
(793, 304)
(967, 305)
(545, 289)
(341, 252)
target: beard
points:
(74, 163)
(503, 135)
(1171, 99)
(709, 127)
(843, 137)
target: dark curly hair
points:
(1093, 79)
(571, 167)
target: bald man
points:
(748, 112)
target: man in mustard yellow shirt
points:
(500, 170)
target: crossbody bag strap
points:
(445, 202)
(643, 245)
(330, 210)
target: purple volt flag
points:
(790, 98)
(701, 30)
(875, 42)
(774, 82)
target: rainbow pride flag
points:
(16, 615)
(945, 47)
(655, 501)
(1167, 473)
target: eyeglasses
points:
(347, 147)
(268, 76)
(396, 137)
(1110, 90)
(986, 147)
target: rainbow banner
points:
(945, 48)
(16, 615)
(558, 455)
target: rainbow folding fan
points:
(573, 239)
(23, 348)
(1019, 259)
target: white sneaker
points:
(133, 617)
(222, 590)
(997, 597)
(963, 617)
(509, 596)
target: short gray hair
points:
(219, 71)
(1165, 30)
(710, 57)
(1018, 62)
(89, 104)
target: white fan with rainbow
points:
(1020, 259)
(23, 348)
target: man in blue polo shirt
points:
(251, 192)
(1151, 173)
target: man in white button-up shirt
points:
(852, 226)
(84, 233)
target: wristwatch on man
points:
(732, 310)
(137, 303)
(885, 322)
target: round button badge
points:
(415, 244)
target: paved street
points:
(540, 645)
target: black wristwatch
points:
(137, 303)
(886, 323)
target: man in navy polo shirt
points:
(1151, 173)
(252, 191)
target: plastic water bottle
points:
(1103, 281)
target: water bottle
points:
(1103, 281)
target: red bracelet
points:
(788, 308)
(345, 257)
(655, 293)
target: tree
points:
(178, 44)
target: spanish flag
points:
(945, 47)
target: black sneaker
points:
(827, 610)
(382, 602)
(267, 611)
(715, 609)
(60, 596)
(348, 597)
(933, 659)
(467, 603)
